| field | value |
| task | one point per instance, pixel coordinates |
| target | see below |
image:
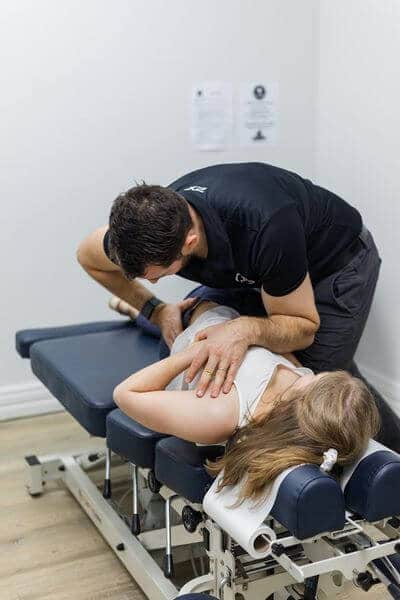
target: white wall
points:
(357, 153)
(95, 94)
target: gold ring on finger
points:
(208, 371)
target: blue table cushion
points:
(82, 371)
(373, 491)
(26, 337)
(180, 466)
(131, 440)
(309, 502)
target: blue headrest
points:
(372, 486)
(309, 502)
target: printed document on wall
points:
(211, 118)
(258, 114)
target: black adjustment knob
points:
(278, 549)
(120, 547)
(191, 518)
(153, 483)
(365, 581)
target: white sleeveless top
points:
(254, 373)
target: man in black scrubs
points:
(293, 258)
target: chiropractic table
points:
(322, 534)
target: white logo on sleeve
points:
(195, 188)
(242, 279)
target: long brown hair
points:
(335, 410)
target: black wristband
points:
(149, 306)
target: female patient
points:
(276, 415)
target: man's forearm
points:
(278, 333)
(93, 259)
(132, 292)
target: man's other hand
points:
(222, 353)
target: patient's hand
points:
(224, 348)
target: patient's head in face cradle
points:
(328, 410)
(151, 232)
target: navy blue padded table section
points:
(26, 337)
(309, 502)
(82, 371)
(180, 466)
(128, 438)
(373, 491)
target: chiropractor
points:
(293, 258)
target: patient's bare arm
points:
(181, 413)
(157, 376)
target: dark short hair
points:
(148, 226)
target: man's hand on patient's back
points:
(222, 353)
(168, 317)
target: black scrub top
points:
(265, 226)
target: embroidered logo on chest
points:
(239, 278)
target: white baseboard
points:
(26, 400)
(389, 388)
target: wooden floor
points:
(49, 549)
